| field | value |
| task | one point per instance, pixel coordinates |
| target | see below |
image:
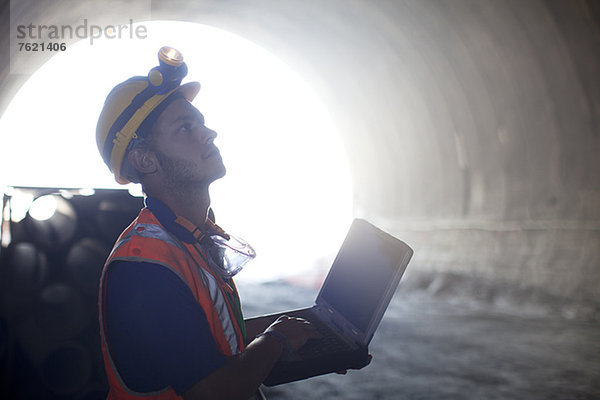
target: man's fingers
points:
(312, 331)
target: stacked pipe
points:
(49, 270)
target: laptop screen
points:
(361, 273)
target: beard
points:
(183, 176)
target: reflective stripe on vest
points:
(223, 309)
(149, 231)
(145, 240)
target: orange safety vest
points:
(147, 240)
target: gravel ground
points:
(432, 348)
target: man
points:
(170, 317)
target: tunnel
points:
(471, 130)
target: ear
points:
(143, 160)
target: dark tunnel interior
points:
(472, 131)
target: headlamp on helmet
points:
(170, 72)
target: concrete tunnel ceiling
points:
(471, 128)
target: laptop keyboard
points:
(330, 342)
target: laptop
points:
(349, 306)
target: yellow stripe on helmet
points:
(128, 132)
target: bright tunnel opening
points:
(287, 190)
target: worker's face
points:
(184, 146)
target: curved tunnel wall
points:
(471, 127)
